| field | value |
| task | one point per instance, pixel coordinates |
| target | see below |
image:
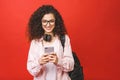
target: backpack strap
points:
(77, 73)
(62, 39)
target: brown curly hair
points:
(35, 30)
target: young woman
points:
(47, 60)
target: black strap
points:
(62, 39)
(77, 73)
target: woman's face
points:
(48, 22)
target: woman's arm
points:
(33, 65)
(67, 62)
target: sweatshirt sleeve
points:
(33, 67)
(67, 62)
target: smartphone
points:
(49, 49)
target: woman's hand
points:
(53, 58)
(44, 59)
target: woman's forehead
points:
(48, 16)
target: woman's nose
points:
(48, 24)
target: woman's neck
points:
(50, 33)
(52, 38)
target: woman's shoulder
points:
(36, 41)
(67, 37)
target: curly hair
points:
(35, 30)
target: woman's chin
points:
(48, 31)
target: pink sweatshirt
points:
(60, 71)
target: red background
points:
(93, 26)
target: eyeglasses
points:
(45, 22)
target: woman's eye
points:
(52, 21)
(44, 21)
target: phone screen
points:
(49, 49)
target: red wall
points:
(93, 26)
